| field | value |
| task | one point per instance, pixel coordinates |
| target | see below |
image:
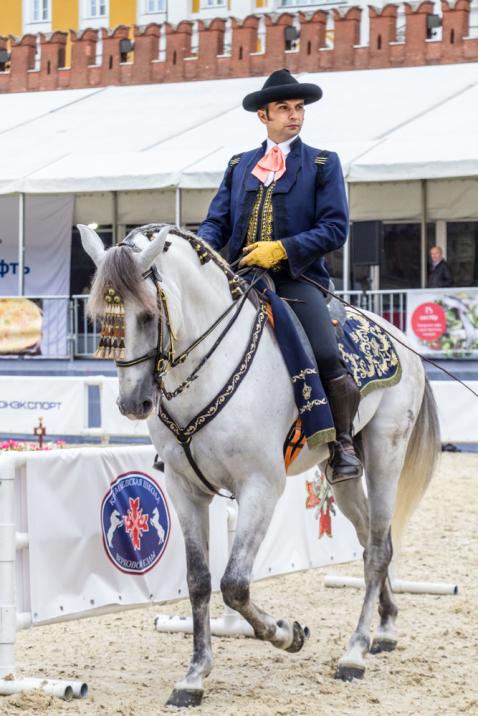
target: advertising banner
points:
(48, 222)
(59, 401)
(21, 326)
(443, 323)
(103, 532)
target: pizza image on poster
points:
(20, 326)
(443, 323)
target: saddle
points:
(366, 351)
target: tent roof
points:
(390, 124)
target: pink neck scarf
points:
(273, 161)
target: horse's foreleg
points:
(193, 513)
(256, 505)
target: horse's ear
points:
(92, 244)
(149, 255)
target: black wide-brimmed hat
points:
(281, 85)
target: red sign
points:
(429, 321)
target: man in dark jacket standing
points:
(439, 275)
(283, 207)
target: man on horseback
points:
(283, 207)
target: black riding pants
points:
(311, 310)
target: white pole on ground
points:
(66, 690)
(231, 623)
(398, 585)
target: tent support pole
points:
(114, 195)
(21, 244)
(346, 259)
(178, 220)
(423, 237)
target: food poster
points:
(20, 326)
(443, 323)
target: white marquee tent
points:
(128, 153)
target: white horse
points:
(241, 450)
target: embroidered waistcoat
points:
(306, 209)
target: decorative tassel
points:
(111, 345)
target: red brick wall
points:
(210, 62)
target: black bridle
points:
(165, 360)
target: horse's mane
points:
(119, 271)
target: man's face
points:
(435, 254)
(283, 119)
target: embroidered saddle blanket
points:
(371, 360)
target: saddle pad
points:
(371, 360)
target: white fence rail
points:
(65, 404)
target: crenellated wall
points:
(164, 53)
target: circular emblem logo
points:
(135, 522)
(429, 321)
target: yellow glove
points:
(264, 254)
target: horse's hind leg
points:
(193, 514)
(384, 448)
(352, 502)
(385, 638)
(256, 505)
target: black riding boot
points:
(344, 398)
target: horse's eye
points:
(145, 318)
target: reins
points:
(165, 361)
(398, 340)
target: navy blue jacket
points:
(309, 208)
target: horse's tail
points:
(422, 454)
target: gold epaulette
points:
(320, 159)
(235, 160)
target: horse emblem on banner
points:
(135, 523)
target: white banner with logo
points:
(104, 533)
(443, 323)
(48, 222)
(59, 401)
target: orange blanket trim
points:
(294, 444)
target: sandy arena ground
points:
(131, 669)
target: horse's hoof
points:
(300, 636)
(381, 644)
(349, 673)
(185, 698)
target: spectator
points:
(439, 275)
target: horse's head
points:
(128, 305)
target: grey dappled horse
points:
(241, 449)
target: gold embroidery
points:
(267, 230)
(320, 160)
(306, 391)
(254, 218)
(312, 404)
(303, 373)
(377, 359)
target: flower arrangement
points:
(23, 446)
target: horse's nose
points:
(147, 406)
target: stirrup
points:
(342, 472)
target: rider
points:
(283, 207)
